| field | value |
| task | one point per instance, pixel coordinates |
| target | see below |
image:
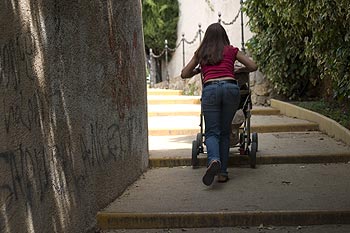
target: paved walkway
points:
(302, 178)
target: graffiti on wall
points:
(28, 165)
(50, 158)
(15, 65)
(29, 168)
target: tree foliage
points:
(160, 19)
(300, 42)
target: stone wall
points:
(262, 90)
(73, 115)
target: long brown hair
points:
(211, 49)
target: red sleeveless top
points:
(223, 69)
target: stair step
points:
(152, 91)
(195, 110)
(189, 125)
(173, 99)
(290, 194)
(243, 160)
(259, 110)
(273, 148)
(174, 110)
(245, 229)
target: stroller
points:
(240, 135)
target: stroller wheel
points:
(252, 155)
(194, 161)
(255, 139)
(199, 143)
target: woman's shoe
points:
(212, 171)
(223, 179)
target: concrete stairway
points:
(302, 175)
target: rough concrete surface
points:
(73, 121)
(331, 127)
(314, 192)
(269, 187)
(259, 229)
(270, 144)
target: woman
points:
(220, 95)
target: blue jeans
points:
(220, 101)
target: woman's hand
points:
(249, 65)
(240, 69)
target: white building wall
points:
(205, 12)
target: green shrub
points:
(160, 19)
(298, 43)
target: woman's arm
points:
(189, 70)
(249, 65)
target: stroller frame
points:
(248, 142)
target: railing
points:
(184, 41)
(167, 49)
